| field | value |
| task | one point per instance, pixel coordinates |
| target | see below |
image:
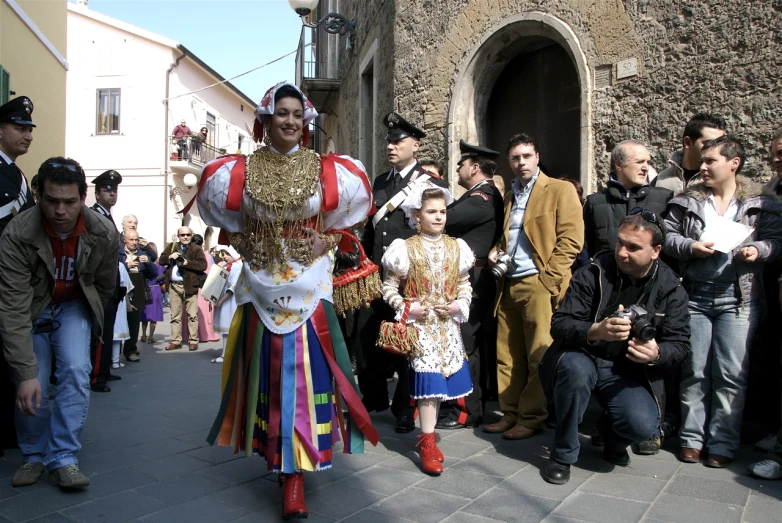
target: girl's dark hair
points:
(62, 171)
(288, 91)
(432, 194)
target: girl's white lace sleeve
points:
(464, 289)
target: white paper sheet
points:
(726, 234)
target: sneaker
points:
(117, 365)
(650, 447)
(767, 444)
(28, 474)
(133, 357)
(766, 469)
(69, 477)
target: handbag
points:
(147, 295)
(397, 337)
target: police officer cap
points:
(18, 111)
(472, 151)
(108, 180)
(399, 128)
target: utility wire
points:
(234, 77)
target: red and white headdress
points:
(266, 108)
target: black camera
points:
(642, 328)
(179, 261)
(503, 265)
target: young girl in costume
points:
(433, 270)
(226, 305)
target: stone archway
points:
(481, 68)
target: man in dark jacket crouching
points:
(621, 326)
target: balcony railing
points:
(192, 149)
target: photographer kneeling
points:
(622, 324)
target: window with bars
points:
(5, 85)
(107, 121)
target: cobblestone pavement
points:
(147, 458)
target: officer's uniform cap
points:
(399, 128)
(18, 111)
(475, 151)
(108, 180)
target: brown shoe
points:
(689, 455)
(505, 424)
(519, 432)
(193, 346)
(174, 346)
(716, 461)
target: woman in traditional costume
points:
(288, 387)
(433, 270)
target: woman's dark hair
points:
(198, 239)
(288, 91)
(434, 193)
(62, 171)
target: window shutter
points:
(5, 85)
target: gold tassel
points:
(398, 338)
(358, 293)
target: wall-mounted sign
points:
(627, 68)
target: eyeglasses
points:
(185, 235)
(650, 217)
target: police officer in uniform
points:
(16, 135)
(106, 186)
(388, 224)
(476, 218)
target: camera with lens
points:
(503, 265)
(642, 328)
(179, 261)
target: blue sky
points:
(232, 36)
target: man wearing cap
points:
(106, 186)
(16, 135)
(476, 218)
(388, 224)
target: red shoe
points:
(427, 450)
(437, 452)
(293, 505)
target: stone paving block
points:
(619, 485)
(7, 492)
(214, 455)
(339, 501)
(476, 436)
(357, 462)
(273, 513)
(126, 506)
(491, 465)
(467, 484)
(39, 503)
(237, 471)
(197, 438)
(112, 444)
(409, 462)
(253, 496)
(164, 447)
(529, 483)
(54, 517)
(171, 466)
(762, 510)
(389, 447)
(173, 491)
(553, 518)
(464, 517)
(732, 471)
(509, 506)
(203, 510)
(764, 488)
(709, 489)
(648, 468)
(420, 504)
(375, 517)
(461, 449)
(111, 461)
(603, 509)
(381, 480)
(117, 481)
(680, 509)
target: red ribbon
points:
(329, 178)
(355, 407)
(212, 168)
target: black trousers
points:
(469, 410)
(7, 404)
(100, 350)
(374, 361)
(134, 321)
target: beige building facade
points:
(33, 47)
(579, 75)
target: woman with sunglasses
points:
(725, 292)
(289, 392)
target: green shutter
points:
(5, 85)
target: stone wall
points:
(720, 56)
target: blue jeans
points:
(51, 436)
(630, 410)
(714, 378)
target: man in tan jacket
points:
(543, 234)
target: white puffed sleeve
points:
(213, 195)
(464, 289)
(397, 264)
(233, 277)
(355, 192)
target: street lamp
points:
(334, 23)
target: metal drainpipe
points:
(167, 158)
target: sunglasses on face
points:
(185, 235)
